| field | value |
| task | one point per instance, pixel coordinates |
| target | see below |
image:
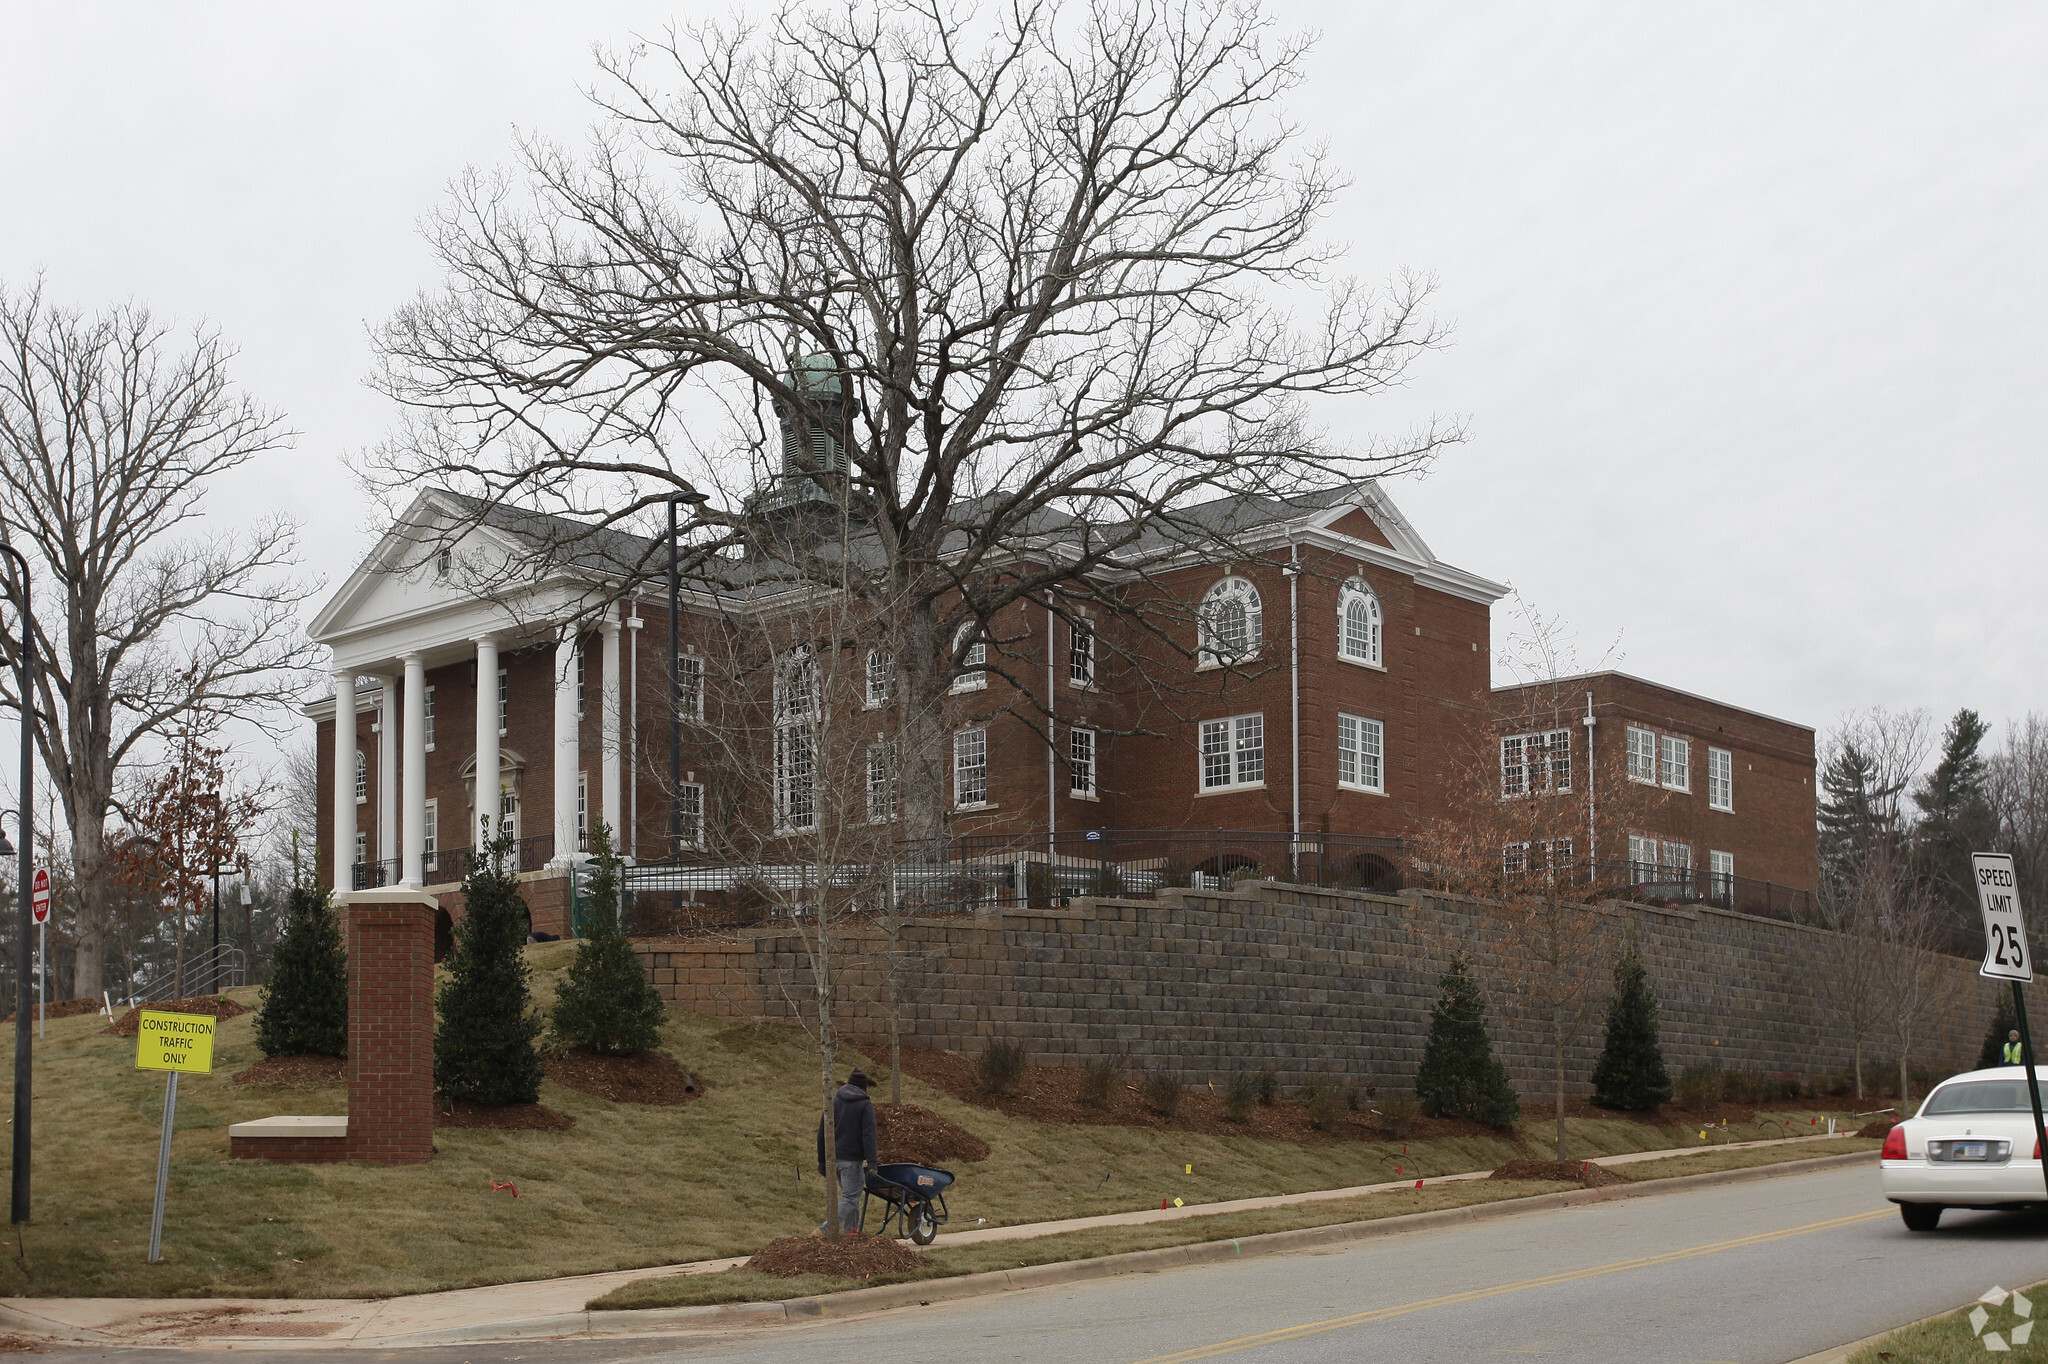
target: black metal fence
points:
(447, 865)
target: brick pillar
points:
(390, 1026)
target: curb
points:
(924, 1292)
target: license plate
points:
(1970, 1150)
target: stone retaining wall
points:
(1309, 981)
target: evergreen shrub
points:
(1459, 1077)
(484, 1050)
(1631, 1074)
(1992, 1053)
(305, 1006)
(606, 1003)
(1700, 1088)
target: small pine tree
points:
(1992, 1053)
(1631, 1074)
(305, 1006)
(607, 1002)
(1459, 1077)
(484, 1049)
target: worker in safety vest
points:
(2012, 1047)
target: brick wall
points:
(1307, 982)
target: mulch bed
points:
(296, 1072)
(64, 1008)
(1877, 1127)
(652, 1077)
(1053, 1094)
(1581, 1172)
(905, 1132)
(852, 1256)
(220, 1006)
(500, 1117)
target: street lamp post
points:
(675, 677)
(24, 1038)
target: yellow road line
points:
(1473, 1295)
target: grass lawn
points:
(1950, 1339)
(627, 1187)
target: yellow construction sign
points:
(175, 1042)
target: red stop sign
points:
(39, 901)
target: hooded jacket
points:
(853, 1127)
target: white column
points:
(568, 751)
(611, 731)
(344, 781)
(387, 768)
(487, 803)
(414, 776)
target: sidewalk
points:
(546, 1307)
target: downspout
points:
(1294, 687)
(633, 627)
(1592, 827)
(1052, 760)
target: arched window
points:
(1358, 622)
(1232, 623)
(977, 654)
(362, 776)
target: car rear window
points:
(1979, 1096)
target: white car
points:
(1971, 1145)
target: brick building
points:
(1325, 683)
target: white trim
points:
(980, 734)
(977, 653)
(1719, 757)
(1235, 753)
(1378, 753)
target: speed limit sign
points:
(39, 899)
(2005, 929)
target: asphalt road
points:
(1751, 1273)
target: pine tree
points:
(2004, 1021)
(1956, 814)
(305, 1006)
(1459, 1077)
(484, 1049)
(1631, 1074)
(607, 1002)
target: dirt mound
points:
(852, 1256)
(1877, 1127)
(220, 1006)
(1581, 1172)
(296, 1072)
(64, 1008)
(920, 1136)
(501, 1117)
(652, 1077)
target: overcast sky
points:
(1750, 316)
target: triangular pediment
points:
(432, 560)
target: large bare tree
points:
(1022, 284)
(112, 429)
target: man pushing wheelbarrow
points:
(853, 1147)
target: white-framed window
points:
(582, 810)
(579, 684)
(508, 813)
(430, 836)
(362, 849)
(690, 813)
(1233, 751)
(504, 699)
(1537, 762)
(1081, 762)
(1674, 763)
(1674, 856)
(1080, 656)
(1721, 866)
(976, 655)
(1642, 755)
(1549, 857)
(690, 687)
(881, 677)
(1358, 622)
(1231, 622)
(1720, 779)
(1361, 745)
(970, 767)
(1642, 857)
(883, 803)
(796, 755)
(362, 777)
(429, 706)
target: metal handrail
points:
(210, 972)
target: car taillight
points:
(1895, 1145)
(2037, 1148)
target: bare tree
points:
(2017, 786)
(1021, 286)
(111, 431)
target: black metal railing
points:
(447, 865)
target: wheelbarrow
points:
(912, 1196)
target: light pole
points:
(675, 677)
(24, 1038)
